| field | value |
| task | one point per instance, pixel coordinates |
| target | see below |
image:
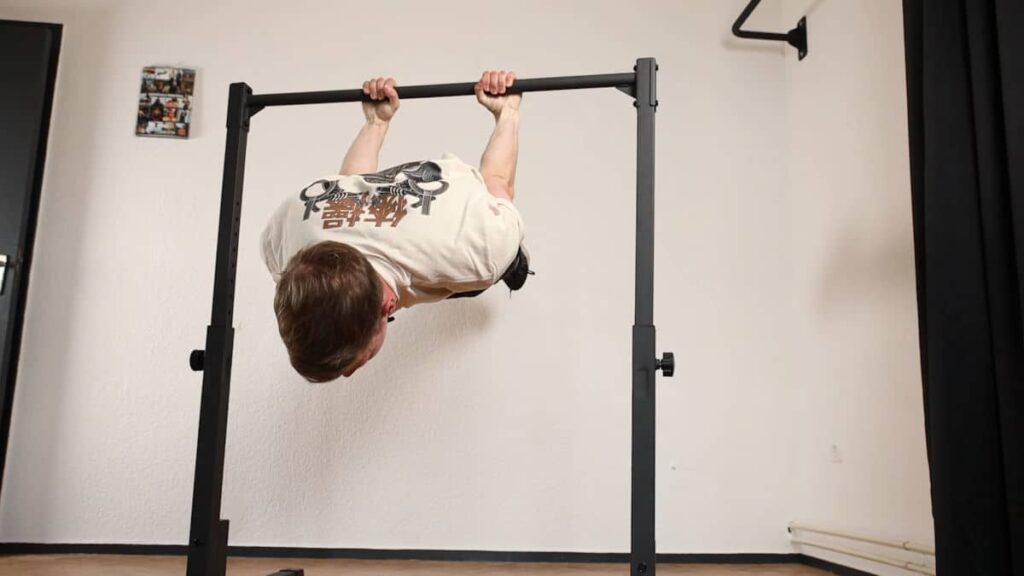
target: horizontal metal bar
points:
(752, 34)
(902, 544)
(909, 566)
(443, 90)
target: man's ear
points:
(388, 307)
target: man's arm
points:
(362, 155)
(498, 163)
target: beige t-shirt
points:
(429, 228)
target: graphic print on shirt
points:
(385, 204)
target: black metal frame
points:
(797, 37)
(207, 548)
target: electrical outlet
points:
(835, 455)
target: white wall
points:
(854, 320)
(495, 423)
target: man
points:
(351, 249)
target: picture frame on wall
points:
(165, 102)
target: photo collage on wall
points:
(165, 102)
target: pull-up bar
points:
(624, 82)
(208, 535)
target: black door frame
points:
(19, 266)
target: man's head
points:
(331, 311)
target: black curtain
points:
(965, 86)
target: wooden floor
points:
(74, 565)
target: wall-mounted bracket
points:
(797, 37)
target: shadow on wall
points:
(858, 264)
(56, 269)
(734, 44)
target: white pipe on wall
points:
(911, 566)
(902, 544)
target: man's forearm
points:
(363, 154)
(499, 159)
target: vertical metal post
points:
(208, 536)
(642, 548)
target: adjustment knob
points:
(197, 360)
(667, 364)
